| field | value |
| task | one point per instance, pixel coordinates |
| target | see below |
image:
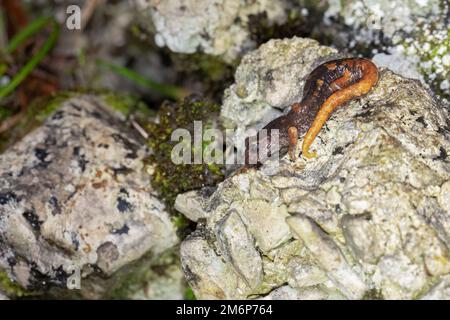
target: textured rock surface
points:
(368, 218)
(3, 296)
(74, 196)
(217, 27)
(414, 32)
(163, 281)
(388, 16)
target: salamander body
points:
(327, 87)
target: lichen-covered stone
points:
(413, 32)
(218, 27)
(368, 218)
(161, 280)
(74, 197)
(191, 203)
(208, 271)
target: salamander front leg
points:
(293, 139)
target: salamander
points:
(327, 87)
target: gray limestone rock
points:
(368, 217)
(75, 200)
(217, 27)
(412, 35)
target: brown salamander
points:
(327, 87)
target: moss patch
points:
(168, 178)
(189, 294)
(12, 288)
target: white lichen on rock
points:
(217, 27)
(416, 32)
(74, 196)
(369, 217)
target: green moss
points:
(127, 105)
(12, 288)
(214, 68)
(189, 294)
(168, 178)
(180, 221)
(121, 104)
(40, 109)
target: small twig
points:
(17, 17)
(139, 129)
(88, 10)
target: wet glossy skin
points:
(329, 86)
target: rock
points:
(440, 291)
(328, 256)
(168, 285)
(397, 62)
(414, 33)
(367, 218)
(206, 270)
(189, 204)
(74, 199)
(3, 296)
(388, 16)
(288, 293)
(218, 27)
(163, 280)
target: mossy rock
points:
(11, 288)
(41, 108)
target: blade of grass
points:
(32, 28)
(34, 61)
(167, 90)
